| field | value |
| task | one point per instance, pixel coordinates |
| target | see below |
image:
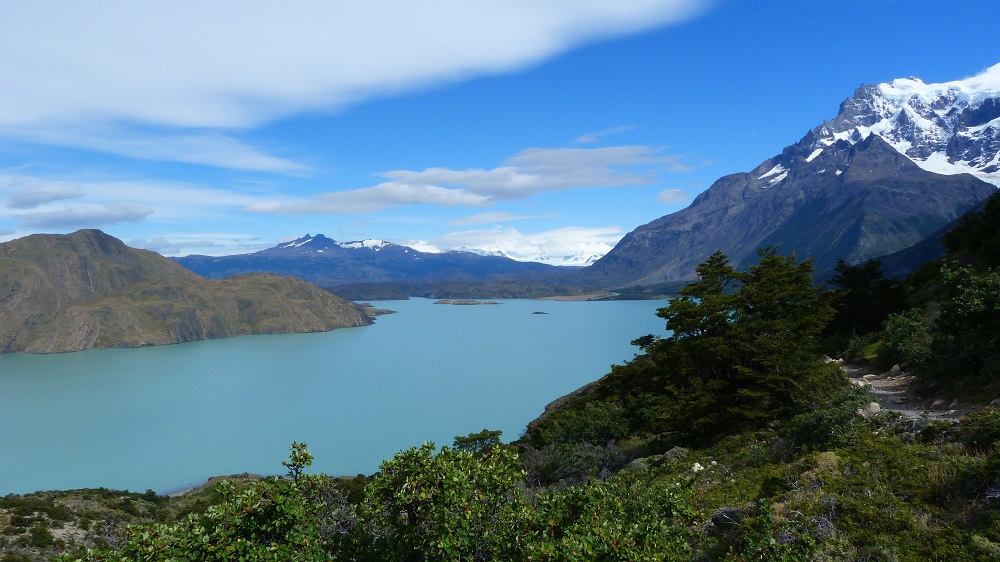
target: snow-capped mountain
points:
(947, 128)
(320, 244)
(327, 263)
(900, 161)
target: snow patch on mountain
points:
(369, 243)
(778, 169)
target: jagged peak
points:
(946, 128)
(317, 241)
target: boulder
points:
(870, 411)
(645, 464)
(728, 517)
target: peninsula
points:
(87, 289)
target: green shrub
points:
(906, 340)
(761, 538)
(444, 505)
(621, 519)
(981, 430)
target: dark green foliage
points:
(965, 337)
(595, 424)
(976, 238)
(40, 536)
(906, 340)
(957, 350)
(863, 298)
(575, 443)
(759, 539)
(273, 519)
(833, 423)
(445, 505)
(981, 430)
(621, 519)
(298, 460)
(644, 341)
(744, 348)
(478, 443)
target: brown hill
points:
(89, 290)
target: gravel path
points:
(892, 391)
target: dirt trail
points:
(892, 392)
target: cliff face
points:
(88, 290)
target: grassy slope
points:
(87, 289)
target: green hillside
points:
(88, 290)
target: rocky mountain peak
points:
(946, 128)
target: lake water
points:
(169, 417)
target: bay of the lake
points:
(167, 418)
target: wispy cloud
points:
(32, 197)
(672, 196)
(238, 65)
(60, 203)
(208, 244)
(528, 173)
(587, 138)
(84, 216)
(206, 147)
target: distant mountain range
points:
(329, 263)
(87, 290)
(899, 162)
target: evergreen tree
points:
(863, 298)
(745, 346)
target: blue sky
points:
(536, 127)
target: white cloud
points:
(555, 247)
(232, 64)
(95, 201)
(210, 148)
(84, 216)
(373, 199)
(672, 196)
(487, 218)
(34, 196)
(530, 172)
(205, 244)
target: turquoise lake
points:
(167, 418)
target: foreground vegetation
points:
(732, 439)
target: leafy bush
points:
(620, 519)
(906, 340)
(981, 430)
(966, 334)
(445, 505)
